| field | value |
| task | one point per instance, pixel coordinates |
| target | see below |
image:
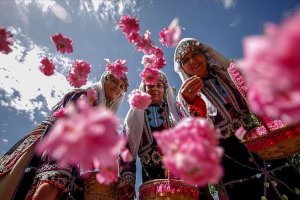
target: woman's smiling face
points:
(194, 63)
(114, 87)
(156, 91)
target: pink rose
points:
(190, 151)
(170, 36)
(86, 137)
(5, 41)
(118, 68)
(128, 25)
(62, 43)
(149, 76)
(274, 57)
(79, 73)
(138, 99)
(47, 66)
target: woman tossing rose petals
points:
(138, 99)
(47, 66)
(190, 151)
(117, 68)
(5, 41)
(62, 43)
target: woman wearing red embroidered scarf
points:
(204, 74)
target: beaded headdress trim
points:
(187, 46)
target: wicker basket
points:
(164, 189)
(96, 191)
(275, 140)
(275, 144)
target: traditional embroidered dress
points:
(156, 119)
(21, 172)
(246, 175)
(139, 127)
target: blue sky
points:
(26, 95)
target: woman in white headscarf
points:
(204, 73)
(139, 126)
(24, 175)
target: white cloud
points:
(61, 13)
(25, 87)
(5, 141)
(103, 10)
(228, 3)
(45, 6)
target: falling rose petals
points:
(6, 41)
(170, 36)
(149, 76)
(138, 99)
(47, 67)
(153, 61)
(148, 60)
(145, 43)
(117, 68)
(78, 74)
(84, 137)
(274, 56)
(62, 43)
(128, 25)
(191, 152)
(134, 38)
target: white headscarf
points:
(99, 87)
(134, 121)
(213, 58)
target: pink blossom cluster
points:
(47, 67)
(62, 43)
(155, 60)
(138, 99)
(79, 73)
(117, 68)
(191, 152)
(271, 65)
(170, 36)
(149, 76)
(86, 136)
(5, 41)
(154, 57)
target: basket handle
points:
(262, 121)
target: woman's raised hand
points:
(190, 88)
